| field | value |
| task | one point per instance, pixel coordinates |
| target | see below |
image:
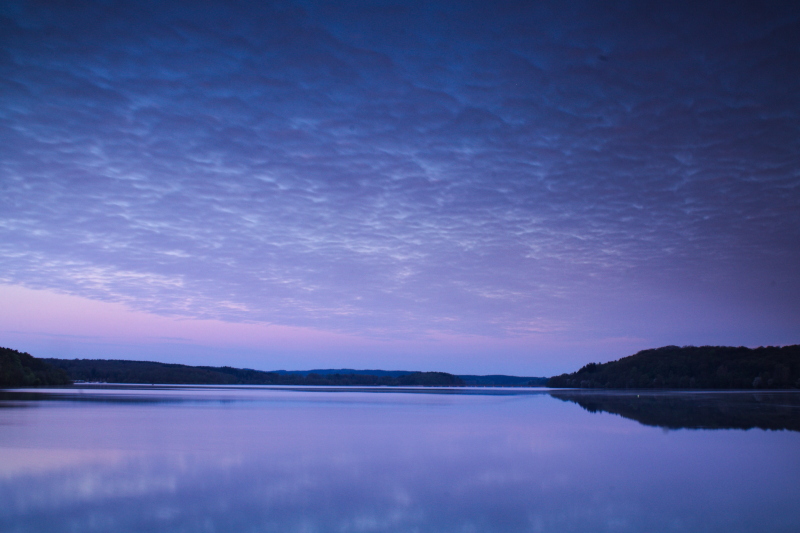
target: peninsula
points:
(692, 367)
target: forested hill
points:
(120, 371)
(501, 380)
(692, 367)
(21, 369)
(492, 380)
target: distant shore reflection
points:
(695, 410)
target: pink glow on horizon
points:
(49, 324)
(50, 313)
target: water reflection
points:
(300, 461)
(775, 410)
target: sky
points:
(471, 187)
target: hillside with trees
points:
(470, 380)
(21, 369)
(120, 371)
(501, 380)
(692, 367)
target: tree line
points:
(121, 371)
(692, 367)
(21, 369)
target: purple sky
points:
(482, 187)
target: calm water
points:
(255, 459)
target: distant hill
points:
(21, 369)
(494, 380)
(121, 371)
(346, 371)
(500, 380)
(692, 367)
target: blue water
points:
(254, 459)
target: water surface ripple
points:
(293, 459)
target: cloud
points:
(393, 171)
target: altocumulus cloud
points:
(398, 168)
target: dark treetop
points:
(20, 369)
(703, 367)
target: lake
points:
(264, 459)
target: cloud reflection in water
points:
(310, 461)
